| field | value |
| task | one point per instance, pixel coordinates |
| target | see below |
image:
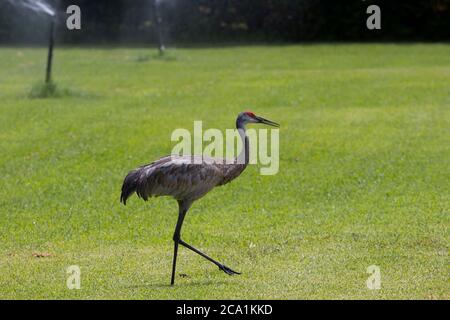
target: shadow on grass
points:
(178, 283)
(44, 90)
(166, 56)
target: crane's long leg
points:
(177, 240)
(222, 267)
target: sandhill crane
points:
(188, 178)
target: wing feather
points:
(177, 176)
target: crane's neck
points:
(244, 155)
(234, 170)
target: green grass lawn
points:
(364, 173)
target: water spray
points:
(158, 23)
(42, 7)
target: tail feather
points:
(129, 185)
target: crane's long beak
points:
(268, 122)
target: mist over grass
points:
(363, 174)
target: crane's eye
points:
(250, 114)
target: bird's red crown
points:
(250, 114)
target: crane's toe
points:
(227, 270)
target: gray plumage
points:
(188, 178)
(185, 178)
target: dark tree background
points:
(232, 21)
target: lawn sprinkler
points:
(41, 7)
(158, 23)
(51, 40)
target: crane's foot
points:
(227, 270)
